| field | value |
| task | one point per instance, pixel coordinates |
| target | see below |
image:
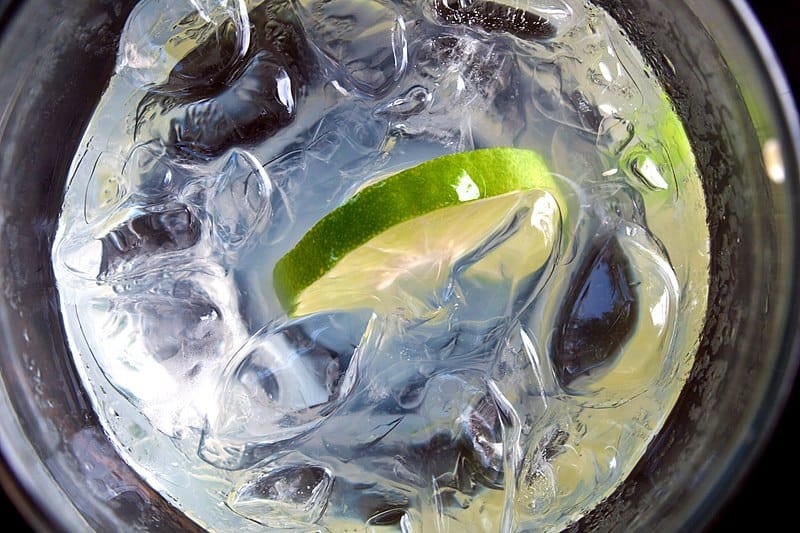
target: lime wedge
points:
(412, 226)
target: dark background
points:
(758, 502)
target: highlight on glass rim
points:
(373, 265)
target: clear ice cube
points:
(242, 201)
(238, 86)
(285, 496)
(608, 344)
(166, 230)
(281, 384)
(366, 46)
(170, 335)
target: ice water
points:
(230, 127)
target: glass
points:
(63, 473)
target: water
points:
(488, 396)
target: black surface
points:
(758, 501)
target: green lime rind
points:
(442, 182)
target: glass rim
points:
(781, 102)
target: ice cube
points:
(170, 333)
(562, 95)
(167, 229)
(555, 98)
(281, 384)
(365, 42)
(283, 496)
(93, 213)
(242, 200)
(239, 86)
(151, 174)
(180, 323)
(252, 107)
(148, 34)
(647, 361)
(462, 72)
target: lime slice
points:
(412, 226)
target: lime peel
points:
(447, 181)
